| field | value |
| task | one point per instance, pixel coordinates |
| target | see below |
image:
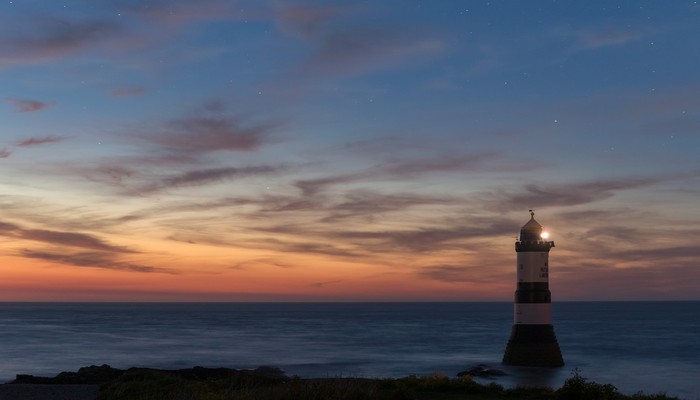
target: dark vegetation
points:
(270, 383)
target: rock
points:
(92, 375)
(102, 374)
(270, 372)
(482, 371)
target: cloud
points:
(39, 141)
(199, 177)
(93, 260)
(361, 50)
(413, 168)
(675, 281)
(128, 91)
(112, 174)
(25, 105)
(664, 254)
(54, 38)
(214, 204)
(369, 204)
(579, 217)
(310, 187)
(315, 247)
(261, 262)
(403, 169)
(205, 177)
(431, 239)
(364, 204)
(307, 20)
(289, 204)
(4, 153)
(454, 273)
(326, 283)
(211, 131)
(71, 239)
(608, 37)
(181, 13)
(60, 238)
(340, 46)
(569, 194)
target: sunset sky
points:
(347, 150)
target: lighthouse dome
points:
(531, 231)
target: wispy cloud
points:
(93, 260)
(311, 187)
(431, 239)
(307, 20)
(54, 38)
(457, 273)
(666, 254)
(570, 194)
(340, 46)
(36, 141)
(361, 50)
(401, 169)
(26, 105)
(326, 283)
(181, 13)
(449, 163)
(675, 281)
(211, 130)
(127, 91)
(205, 177)
(59, 238)
(608, 37)
(4, 153)
(108, 173)
(261, 262)
(369, 204)
(308, 248)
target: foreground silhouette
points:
(267, 383)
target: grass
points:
(149, 384)
(271, 384)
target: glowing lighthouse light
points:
(532, 341)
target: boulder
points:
(482, 371)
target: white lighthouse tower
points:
(532, 341)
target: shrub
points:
(579, 388)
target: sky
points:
(347, 150)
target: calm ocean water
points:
(648, 346)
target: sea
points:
(653, 347)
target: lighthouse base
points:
(533, 346)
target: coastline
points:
(268, 383)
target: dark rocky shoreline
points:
(103, 374)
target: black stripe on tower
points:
(533, 245)
(533, 286)
(533, 292)
(533, 296)
(533, 346)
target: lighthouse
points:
(532, 341)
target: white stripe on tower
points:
(533, 301)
